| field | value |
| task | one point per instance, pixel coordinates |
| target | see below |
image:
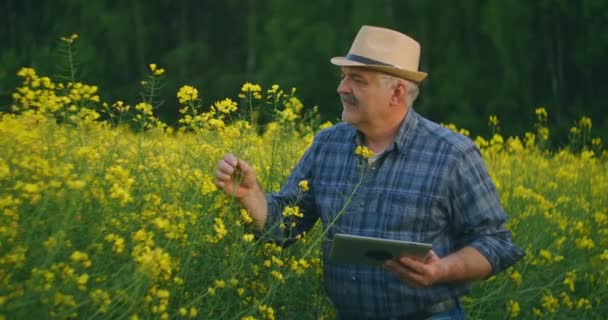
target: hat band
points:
(361, 59)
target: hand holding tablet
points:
(352, 249)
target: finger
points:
(412, 264)
(222, 176)
(431, 256)
(224, 167)
(244, 166)
(248, 172)
(401, 272)
(417, 280)
(231, 159)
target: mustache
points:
(349, 98)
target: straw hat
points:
(386, 51)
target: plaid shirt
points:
(430, 186)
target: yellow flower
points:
(541, 113)
(102, 299)
(566, 301)
(266, 312)
(4, 170)
(365, 152)
(493, 121)
(83, 258)
(549, 302)
(513, 308)
(583, 303)
(516, 277)
(303, 185)
(225, 106)
(145, 108)
(277, 275)
(248, 237)
(69, 39)
(273, 89)
(163, 294)
(584, 243)
(292, 211)
(570, 279)
(245, 216)
(219, 228)
(543, 133)
(585, 122)
(546, 254)
(187, 94)
(220, 284)
(326, 125)
(183, 312)
(250, 87)
(155, 70)
(288, 115)
(600, 218)
(83, 279)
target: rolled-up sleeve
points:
(477, 215)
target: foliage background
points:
(484, 57)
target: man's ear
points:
(399, 94)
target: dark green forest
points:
(484, 57)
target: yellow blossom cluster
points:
(365, 152)
(187, 94)
(292, 211)
(156, 70)
(251, 89)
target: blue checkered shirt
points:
(430, 186)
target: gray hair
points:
(389, 81)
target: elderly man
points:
(426, 184)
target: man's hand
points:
(466, 265)
(235, 177)
(418, 272)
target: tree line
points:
(484, 57)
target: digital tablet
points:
(352, 249)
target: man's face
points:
(364, 98)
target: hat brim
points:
(416, 76)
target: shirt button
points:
(354, 278)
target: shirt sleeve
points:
(284, 229)
(477, 215)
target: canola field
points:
(106, 212)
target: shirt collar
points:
(403, 137)
(406, 131)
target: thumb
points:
(431, 256)
(248, 172)
(244, 166)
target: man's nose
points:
(343, 87)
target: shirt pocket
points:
(412, 216)
(330, 200)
